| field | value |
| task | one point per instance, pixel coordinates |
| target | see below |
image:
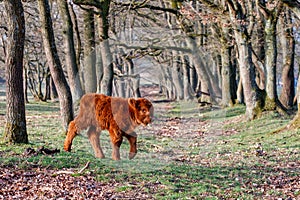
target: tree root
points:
(293, 125)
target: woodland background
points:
(216, 53)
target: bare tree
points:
(238, 11)
(102, 8)
(15, 126)
(71, 64)
(63, 89)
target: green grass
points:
(187, 153)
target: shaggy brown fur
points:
(119, 116)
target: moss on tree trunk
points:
(270, 104)
(14, 132)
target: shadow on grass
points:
(42, 107)
(187, 181)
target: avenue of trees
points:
(219, 51)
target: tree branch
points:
(262, 8)
(94, 3)
(135, 6)
(292, 3)
(211, 5)
(85, 167)
(175, 48)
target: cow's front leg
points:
(116, 141)
(116, 149)
(72, 132)
(132, 138)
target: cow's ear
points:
(132, 102)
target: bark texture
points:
(90, 78)
(287, 41)
(15, 126)
(103, 23)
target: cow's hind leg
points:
(94, 138)
(72, 132)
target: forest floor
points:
(188, 152)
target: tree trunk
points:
(193, 76)
(164, 82)
(187, 87)
(206, 86)
(233, 79)
(240, 93)
(107, 78)
(15, 126)
(71, 63)
(128, 69)
(89, 72)
(270, 63)
(226, 70)
(56, 70)
(136, 86)
(259, 46)
(53, 90)
(134, 79)
(47, 87)
(288, 51)
(253, 97)
(25, 85)
(247, 73)
(295, 122)
(177, 75)
(77, 37)
(99, 68)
